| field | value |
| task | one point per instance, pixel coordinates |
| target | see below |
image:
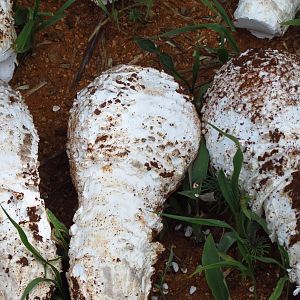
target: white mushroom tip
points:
(7, 67)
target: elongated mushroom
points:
(263, 18)
(7, 37)
(256, 97)
(19, 196)
(132, 136)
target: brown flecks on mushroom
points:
(76, 293)
(23, 261)
(32, 213)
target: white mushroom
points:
(256, 97)
(264, 17)
(7, 37)
(132, 136)
(19, 196)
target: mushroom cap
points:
(132, 135)
(264, 18)
(7, 37)
(19, 196)
(256, 98)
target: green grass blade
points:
(200, 221)
(24, 239)
(212, 26)
(214, 276)
(268, 260)
(228, 193)
(227, 240)
(295, 22)
(196, 66)
(50, 22)
(23, 41)
(279, 288)
(200, 165)
(32, 284)
(103, 7)
(146, 44)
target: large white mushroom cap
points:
(19, 196)
(132, 135)
(264, 17)
(256, 97)
(7, 37)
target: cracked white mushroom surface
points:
(8, 57)
(132, 135)
(19, 196)
(256, 98)
(263, 18)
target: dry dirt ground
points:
(45, 77)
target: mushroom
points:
(20, 197)
(132, 136)
(263, 18)
(256, 98)
(7, 37)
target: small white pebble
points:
(251, 289)
(175, 266)
(178, 227)
(183, 270)
(55, 108)
(206, 232)
(188, 231)
(165, 288)
(195, 185)
(197, 195)
(193, 289)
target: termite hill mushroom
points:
(256, 98)
(8, 57)
(263, 18)
(20, 197)
(132, 135)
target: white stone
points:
(256, 98)
(175, 266)
(263, 18)
(8, 57)
(132, 136)
(55, 108)
(188, 231)
(20, 197)
(193, 289)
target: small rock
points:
(251, 289)
(55, 108)
(183, 270)
(206, 232)
(165, 288)
(175, 266)
(188, 231)
(193, 289)
(178, 227)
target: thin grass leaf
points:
(146, 44)
(50, 22)
(261, 221)
(216, 7)
(213, 274)
(279, 288)
(200, 165)
(212, 26)
(200, 221)
(227, 192)
(268, 260)
(103, 7)
(196, 66)
(23, 41)
(227, 240)
(190, 194)
(198, 100)
(295, 22)
(34, 283)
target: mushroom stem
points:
(8, 57)
(20, 197)
(132, 136)
(263, 18)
